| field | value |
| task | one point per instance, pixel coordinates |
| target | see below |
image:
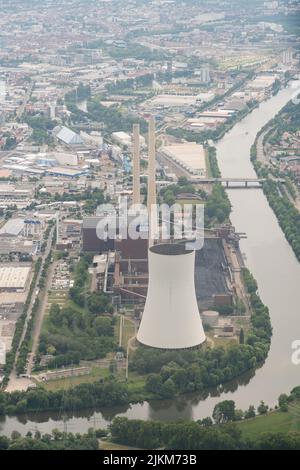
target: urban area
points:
(165, 103)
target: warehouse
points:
(14, 278)
(190, 156)
(12, 228)
(67, 136)
(66, 172)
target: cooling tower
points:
(171, 318)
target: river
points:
(272, 262)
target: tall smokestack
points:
(151, 201)
(136, 164)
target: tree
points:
(242, 336)
(206, 422)
(283, 402)
(224, 412)
(15, 435)
(250, 413)
(262, 408)
(168, 389)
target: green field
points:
(94, 376)
(275, 421)
(108, 445)
(128, 331)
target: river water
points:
(272, 262)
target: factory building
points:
(125, 139)
(14, 278)
(67, 136)
(189, 156)
(66, 172)
(12, 228)
(90, 240)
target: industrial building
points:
(12, 195)
(171, 101)
(90, 240)
(190, 156)
(14, 278)
(66, 172)
(125, 139)
(67, 136)
(69, 233)
(12, 228)
(20, 237)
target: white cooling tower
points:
(171, 318)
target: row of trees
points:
(95, 302)
(287, 214)
(54, 441)
(106, 392)
(189, 435)
(11, 355)
(27, 341)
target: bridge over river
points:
(236, 183)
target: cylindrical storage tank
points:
(210, 317)
(171, 318)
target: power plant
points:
(171, 318)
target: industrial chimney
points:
(151, 198)
(171, 318)
(136, 164)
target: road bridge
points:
(235, 183)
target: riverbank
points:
(282, 197)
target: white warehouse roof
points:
(14, 277)
(67, 136)
(12, 227)
(190, 155)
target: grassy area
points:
(276, 421)
(218, 342)
(94, 376)
(208, 167)
(107, 445)
(127, 331)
